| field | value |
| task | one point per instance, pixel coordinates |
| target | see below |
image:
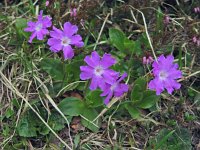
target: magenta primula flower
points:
(62, 40)
(39, 28)
(98, 70)
(165, 73)
(115, 88)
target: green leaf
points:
(137, 47)
(73, 70)
(94, 99)
(150, 98)
(129, 44)
(71, 106)
(133, 111)
(117, 38)
(159, 21)
(9, 113)
(26, 127)
(29, 123)
(90, 114)
(20, 24)
(136, 93)
(141, 82)
(197, 99)
(15, 103)
(138, 89)
(56, 121)
(177, 139)
(43, 130)
(77, 140)
(164, 139)
(54, 67)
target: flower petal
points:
(70, 29)
(33, 35)
(156, 85)
(77, 41)
(106, 90)
(40, 36)
(68, 52)
(94, 83)
(86, 73)
(44, 31)
(40, 15)
(120, 89)
(110, 76)
(55, 44)
(56, 33)
(107, 61)
(107, 99)
(92, 60)
(47, 22)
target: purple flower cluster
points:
(97, 68)
(165, 73)
(39, 28)
(60, 40)
(101, 76)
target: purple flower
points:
(165, 73)
(39, 28)
(62, 40)
(98, 70)
(115, 88)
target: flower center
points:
(38, 27)
(112, 88)
(98, 71)
(163, 75)
(65, 41)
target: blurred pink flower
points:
(147, 60)
(47, 3)
(196, 40)
(166, 19)
(73, 12)
(197, 9)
